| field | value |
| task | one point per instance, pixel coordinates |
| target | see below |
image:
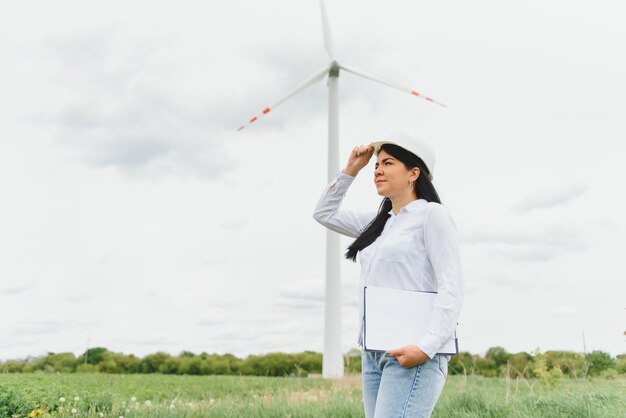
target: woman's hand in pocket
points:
(409, 356)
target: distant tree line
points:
(497, 362)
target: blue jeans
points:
(392, 391)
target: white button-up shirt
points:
(417, 250)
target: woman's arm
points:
(328, 210)
(442, 246)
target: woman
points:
(411, 244)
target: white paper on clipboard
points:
(394, 318)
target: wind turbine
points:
(332, 365)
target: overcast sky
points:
(134, 216)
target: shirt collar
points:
(410, 207)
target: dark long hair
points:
(423, 189)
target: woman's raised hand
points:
(359, 157)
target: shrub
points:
(87, 368)
(520, 365)
(549, 378)
(152, 362)
(608, 373)
(484, 366)
(570, 363)
(620, 365)
(12, 366)
(599, 361)
(272, 364)
(461, 364)
(93, 355)
(352, 362)
(498, 355)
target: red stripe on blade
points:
(266, 110)
(415, 93)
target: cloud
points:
(209, 322)
(154, 340)
(309, 290)
(120, 106)
(513, 283)
(218, 260)
(81, 297)
(547, 198)
(19, 288)
(304, 295)
(27, 342)
(217, 313)
(215, 317)
(128, 103)
(308, 297)
(301, 306)
(564, 310)
(234, 224)
(284, 66)
(33, 328)
(144, 132)
(528, 242)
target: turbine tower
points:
(332, 365)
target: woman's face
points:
(391, 176)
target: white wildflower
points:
(133, 399)
(76, 398)
(148, 403)
(61, 399)
(74, 410)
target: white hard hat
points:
(410, 143)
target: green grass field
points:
(95, 395)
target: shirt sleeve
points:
(442, 246)
(328, 210)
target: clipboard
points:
(393, 318)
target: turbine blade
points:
(389, 83)
(328, 37)
(302, 86)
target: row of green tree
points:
(496, 362)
